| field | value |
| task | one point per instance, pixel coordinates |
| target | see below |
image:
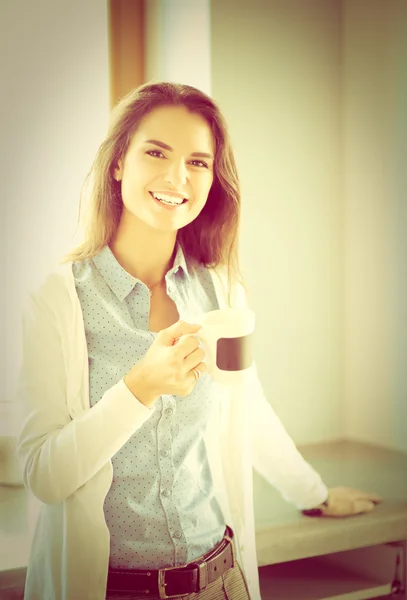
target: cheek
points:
(150, 169)
(137, 180)
(203, 187)
(200, 201)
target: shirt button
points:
(164, 453)
(177, 534)
(166, 493)
(169, 411)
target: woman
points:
(142, 464)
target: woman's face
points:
(170, 154)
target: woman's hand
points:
(167, 367)
(345, 502)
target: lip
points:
(166, 206)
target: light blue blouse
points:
(160, 509)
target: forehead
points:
(177, 127)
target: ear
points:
(118, 171)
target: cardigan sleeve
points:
(58, 454)
(275, 456)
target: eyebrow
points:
(167, 147)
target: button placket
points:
(164, 441)
(167, 474)
(141, 320)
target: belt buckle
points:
(162, 585)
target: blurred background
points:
(315, 94)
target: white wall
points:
(275, 74)
(55, 107)
(375, 193)
(177, 42)
(324, 208)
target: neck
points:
(142, 251)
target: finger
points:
(186, 345)
(195, 358)
(196, 373)
(371, 497)
(200, 369)
(361, 495)
(177, 330)
(363, 506)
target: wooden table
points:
(304, 558)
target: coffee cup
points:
(226, 336)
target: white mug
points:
(227, 338)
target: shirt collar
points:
(179, 262)
(120, 281)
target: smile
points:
(168, 199)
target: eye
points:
(196, 163)
(200, 163)
(154, 153)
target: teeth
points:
(168, 199)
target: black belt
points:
(176, 581)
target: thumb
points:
(172, 333)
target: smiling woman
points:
(116, 399)
(163, 212)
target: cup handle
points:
(209, 360)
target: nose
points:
(176, 173)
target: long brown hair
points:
(212, 238)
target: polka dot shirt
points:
(160, 509)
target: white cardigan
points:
(65, 448)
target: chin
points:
(166, 228)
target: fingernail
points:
(312, 512)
